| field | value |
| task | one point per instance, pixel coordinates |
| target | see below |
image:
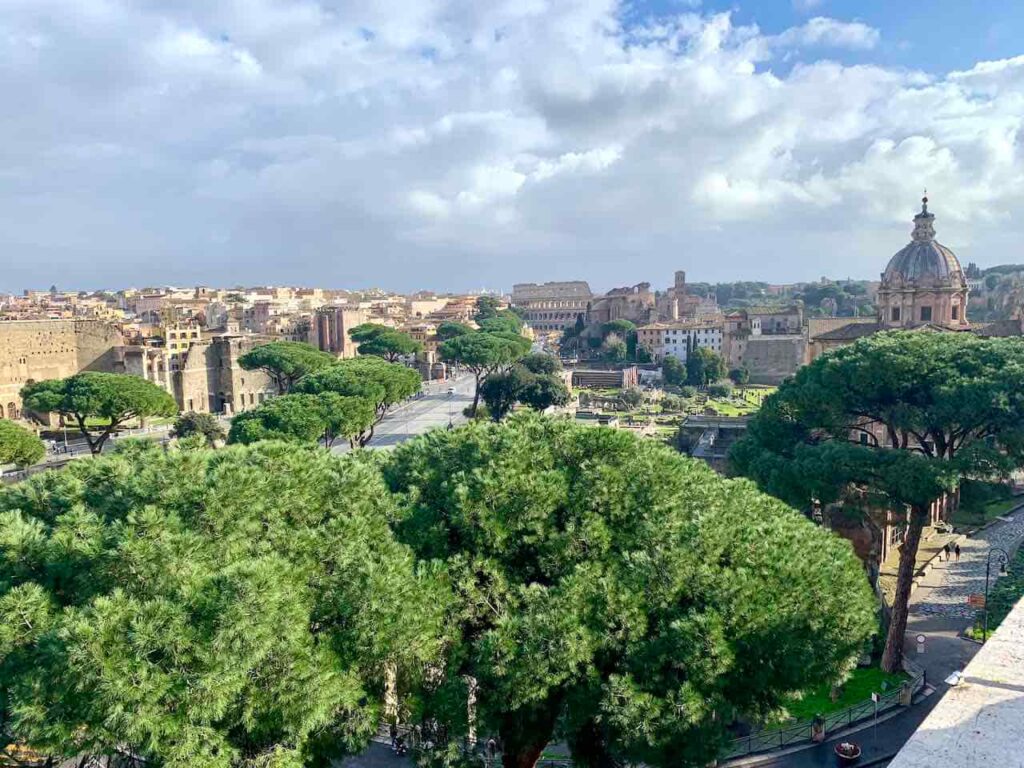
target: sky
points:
(467, 144)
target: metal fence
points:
(758, 741)
(798, 733)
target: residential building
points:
(678, 339)
(178, 338)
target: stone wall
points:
(197, 381)
(35, 350)
(771, 359)
(211, 380)
(330, 328)
(572, 289)
(96, 345)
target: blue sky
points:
(459, 144)
(936, 36)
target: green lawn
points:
(730, 407)
(862, 683)
(981, 502)
(755, 394)
(975, 518)
(98, 423)
(1003, 595)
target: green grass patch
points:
(981, 502)
(724, 407)
(1004, 593)
(857, 689)
(754, 394)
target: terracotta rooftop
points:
(849, 332)
(1000, 328)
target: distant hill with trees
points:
(842, 298)
(999, 297)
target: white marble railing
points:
(979, 722)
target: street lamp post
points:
(1003, 559)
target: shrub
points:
(720, 389)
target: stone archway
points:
(12, 410)
(1, 411)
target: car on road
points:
(451, 391)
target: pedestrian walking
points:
(956, 551)
(945, 549)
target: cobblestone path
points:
(960, 579)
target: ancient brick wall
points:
(211, 379)
(771, 359)
(96, 345)
(196, 381)
(34, 350)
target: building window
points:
(895, 314)
(926, 314)
(956, 312)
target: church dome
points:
(924, 260)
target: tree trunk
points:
(525, 732)
(471, 695)
(476, 397)
(589, 747)
(97, 447)
(391, 692)
(366, 437)
(892, 656)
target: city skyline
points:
(511, 383)
(440, 146)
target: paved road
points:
(947, 596)
(434, 408)
(938, 610)
(377, 756)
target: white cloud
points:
(197, 54)
(806, 6)
(429, 204)
(822, 31)
(455, 144)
